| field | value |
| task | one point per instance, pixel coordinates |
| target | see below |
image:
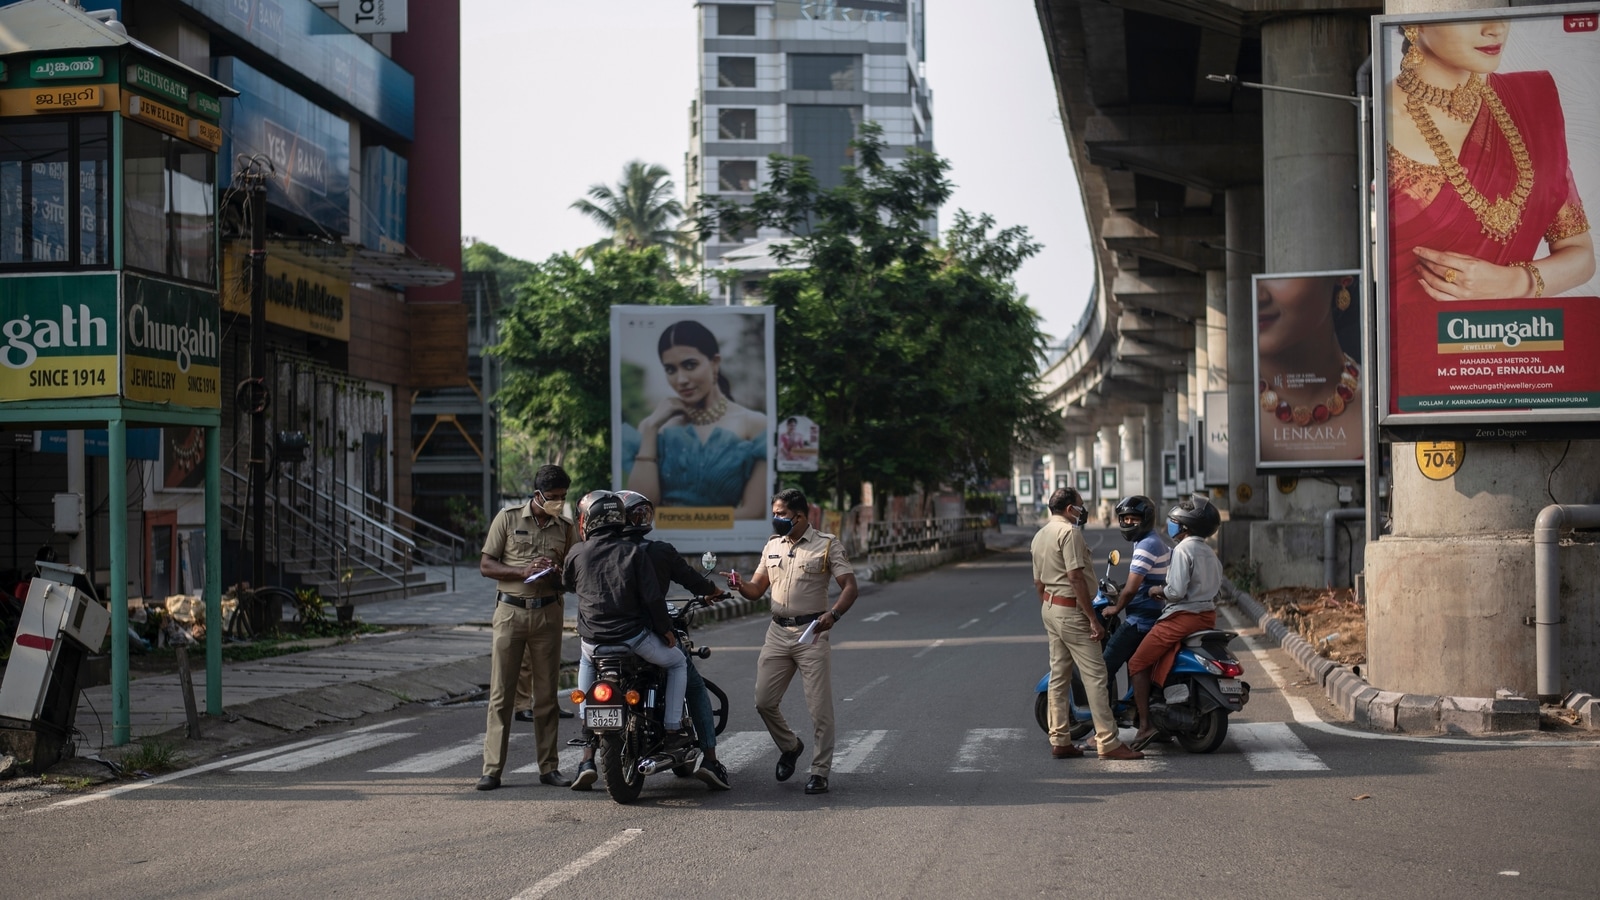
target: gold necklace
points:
(708, 414)
(1343, 392)
(1459, 103)
(1500, 218)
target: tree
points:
(555, 342)
(509, 272)
(917, 359)
(639, 212)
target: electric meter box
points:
(60, 625)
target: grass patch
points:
(888, 573)
(68, 782)
(154, 756)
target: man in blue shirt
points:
(1136, 517)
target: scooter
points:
(1193, 705)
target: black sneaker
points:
(713, 774)
(676, 742)
(587, 776)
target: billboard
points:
(1214, 443)
(693, 389)
(1489, 305)
(1310, 378)
(797, 445)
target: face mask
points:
(782, 526)
(1172, 529)
(1077, 515)
(551, 507)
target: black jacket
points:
(618, 595)
(670, 567)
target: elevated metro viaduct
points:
(1190, 187)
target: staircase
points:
(353, 547)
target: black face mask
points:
(782, 526)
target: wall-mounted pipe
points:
(1330, 539)
(1547, 588)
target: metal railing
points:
(430, 545)
(924, 543)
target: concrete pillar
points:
(1169, 431)
(1246, 491)
(1153, 444)
(1133, 441)
(1216, 333)
(1110, 454)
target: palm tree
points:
(639, 211)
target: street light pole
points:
(1372, 447)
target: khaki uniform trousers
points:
(534, 633)
(780, 658)
(1070, 644)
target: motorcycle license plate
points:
(602, 716)
(1230, 686)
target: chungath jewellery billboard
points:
(1309, 375)
(693, 390)
(1488, 299)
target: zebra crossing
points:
(1263, 746)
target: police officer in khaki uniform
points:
(522, 541)
(796, 564)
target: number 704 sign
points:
(1439, 460)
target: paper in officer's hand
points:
(539, 574)
(809, 636)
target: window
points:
(38, 194)
(818, 72)
(736, 71)
(169, 197)
(823, 134)
(743, 233)
(737, 175)
(736, 21)
(736, 124)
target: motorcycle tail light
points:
(1211, 665)
(576, 696)
(602, 692)
(1230, 669)
(632, 697)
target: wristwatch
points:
(836, 614)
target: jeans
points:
(1120, 647)
(648, 646)
(700, 707)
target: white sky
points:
(559, 94)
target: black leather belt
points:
(529, 602)
(796, 621)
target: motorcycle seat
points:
(1201, 638)
(613, 650)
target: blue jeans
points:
(700, 707)
(649, 647)
(1121, 646)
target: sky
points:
(558, 95)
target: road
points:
(943, 787)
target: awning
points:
(362, 265)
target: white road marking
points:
(854, 749)
(998, 606)
(742, 748)
(438, 759)
(566, 760)
(1018, 594)
(1272, 747)
(982, 744)
(920, 653)
(967, 624)
(880, 616)
(869, 686)
(305, 759)
(565, 873)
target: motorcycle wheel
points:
(719, 704)
(1041, 714)
(619, 766)
(1210, 734)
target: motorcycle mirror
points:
(708, 561)
(1114, 558)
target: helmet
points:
(1142, 507)
(640, 512)
(1196, 515)
(599, 512)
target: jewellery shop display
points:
(1343, 393)
(1500, 218)
(711, 413)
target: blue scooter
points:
(1193, 705)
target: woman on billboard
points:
(1310, 386)
(1478, 173)
(698, 448)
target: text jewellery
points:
(708, 414)
(1343, 392)
(1500, 218)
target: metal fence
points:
(910, 545)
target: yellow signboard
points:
(68, 99)
(700, 517)
(205, 134)
(162, 118)
(1439, 460)
(59, 336)
(297, 297)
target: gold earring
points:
(1413, 57)
(1341, 297)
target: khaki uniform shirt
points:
(800, 571)
(516, 539)
(1059, 548)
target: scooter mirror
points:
(708, 561)
(1114, 558)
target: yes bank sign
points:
(373, 16)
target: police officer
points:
(524, 541)
(796, 564)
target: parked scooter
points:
(1193, 706)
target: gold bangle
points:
(1538, 279)
(640, 459)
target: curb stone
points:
(1389, 711)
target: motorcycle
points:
(1192, 707)
(623, 710)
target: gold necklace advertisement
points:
(1310, 378)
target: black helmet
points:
(600, 512)
(1141, 506)
(1196, 515)
(641, 513)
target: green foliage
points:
(555, 342)
(509, 271)
(916, 358)
(309, 607)
(640, 211)
(153, 755)
(469, 519)
(1246, 576)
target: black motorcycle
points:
(624, 711)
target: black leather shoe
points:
(554, 778)
(488, 782)
(817, 784)
(523, 715)
(787, 760)
(587, 776)
(565, 713)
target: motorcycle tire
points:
(618, 761)
(1213, 730)
(1041, 714)
(719, 704)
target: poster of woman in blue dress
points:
(692, 389)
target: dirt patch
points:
(1331, 621)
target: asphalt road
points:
(943, 787)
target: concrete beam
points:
(1105, 54)
(1209, 168)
